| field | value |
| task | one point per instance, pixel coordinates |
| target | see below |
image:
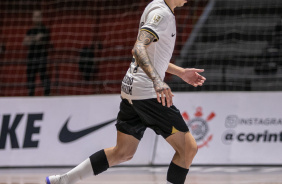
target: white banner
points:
(230, 128)
(60, 131)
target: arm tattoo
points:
(139, 51)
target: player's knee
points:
(194, 151)
(190, 153)
(192, 148)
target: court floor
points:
(155, 175)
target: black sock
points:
(176, 174)
(99, 162)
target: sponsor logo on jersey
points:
(126, 85)
(156, 19)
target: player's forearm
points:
(145, 63)
(175, 70)
(141, 56)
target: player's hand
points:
(192, 76)
(164, 94)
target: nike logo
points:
(66, 136)
(172, 35)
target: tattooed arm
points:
(139, 52)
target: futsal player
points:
(147, 100)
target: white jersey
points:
(159, 20)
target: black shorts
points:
(133, 119)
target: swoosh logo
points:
(66, 136)
(172, 35)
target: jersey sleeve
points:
(156, 22)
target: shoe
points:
(55, 179)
